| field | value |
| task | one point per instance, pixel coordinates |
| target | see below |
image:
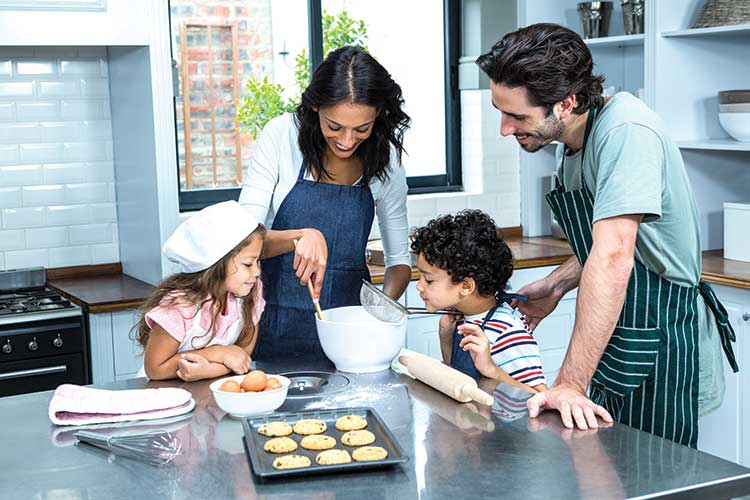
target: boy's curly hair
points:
(466, 245)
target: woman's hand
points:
(478, 346)
(236, 359)
(310, 259)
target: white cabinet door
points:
(114, 356)
(128, 357)
(722, 432)
(100, 335)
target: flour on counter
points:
(355, 396)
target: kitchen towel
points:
(77, 405)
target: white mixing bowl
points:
(737, 125)
(358, 343)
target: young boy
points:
(466, 265)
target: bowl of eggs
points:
(249, 395)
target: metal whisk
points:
(155, 448)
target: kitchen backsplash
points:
(57, 197)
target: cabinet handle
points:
(35, 372)
(745, 316)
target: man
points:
(645, 322)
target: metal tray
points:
(262, 461)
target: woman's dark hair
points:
(349, 74)
(466, 245)
(551, 62)
(195, 289)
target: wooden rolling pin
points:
(445, 379)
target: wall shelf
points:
(715, 145)
(616, 41)
(737, 29)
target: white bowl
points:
(737, 107)
(248, 404)
(737, 125)
(358, 343)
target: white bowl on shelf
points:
(736, 125)
(249, 404)
(358, 343)
(735, 107)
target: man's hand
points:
(310, 259)
(543, 299)
(236, 359)
(478, 346)
(191, 367)
(447, 325)
(572, 404)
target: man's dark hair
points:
(550, 61)
(466, 245)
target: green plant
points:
(264, 100)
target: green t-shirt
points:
(631, 166)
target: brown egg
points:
(273, 383)
(254, 381)
(230, 386)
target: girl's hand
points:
(191, 367)
(478, 346)
(236, 359)
(310, 259)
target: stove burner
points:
(314, 384)
(29, 301)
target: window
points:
(220, 46)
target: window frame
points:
(450, 181)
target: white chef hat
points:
(206, 237)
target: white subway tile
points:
(12, 240)
(8, 154)
(36, 67)
(47, 237)
(104, 66)
(109, 149)
(10, 197)
(106, 111)
(111, 192)
(27, 258)
(60, 131)
(81, 110)
(7, 112)
(19, 132)
(99, 129)
(64, 173)
(80, 67)
(38, 196)
(95, 88)
(20, 175)
(450, 204)
(103, 212)
(87, 192)
(69, 256)
(55, 51)
(59, 89)
(37, 111)
(66, 215)
(19, 218)
(105, 254)
(100, 171)
(84, 151)
(94, 51)
(6, 68)
(2, 261)
(16, 89)
(41, 153)
(90, 233)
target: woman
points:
(317, 178)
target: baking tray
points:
(262, 461)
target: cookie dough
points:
(275, 429)
(280, 445)
(369, 453)
(351, 423)
(358, 438)
(331, 457)
(291, 462)
(318, 442)
(309, 427)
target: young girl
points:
(202, 322)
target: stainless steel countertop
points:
(456, 451)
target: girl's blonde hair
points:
(199, 288)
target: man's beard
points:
(550, 130)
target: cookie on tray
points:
(358, 438)
(280, 445)
(332, 457)
(309, 427)
(275, 429)
(318, 442)
(291, 462)
(351, 423)
(369, 453)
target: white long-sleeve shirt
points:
(274, 169)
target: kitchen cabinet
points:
(114, 354)
(724, 432)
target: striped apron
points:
(648, 375)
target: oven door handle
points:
(35, 372)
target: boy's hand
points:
(191, 367)
(236, 359)
(478, 346)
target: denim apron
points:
(647, 376)
(460, 359)
(344, 215)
